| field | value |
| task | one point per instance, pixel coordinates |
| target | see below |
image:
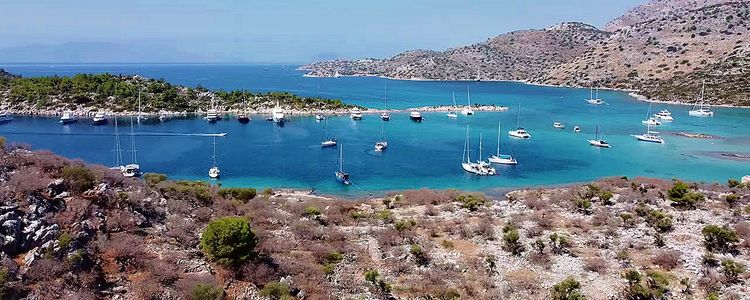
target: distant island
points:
(663, 49)
(118, 94)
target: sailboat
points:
(520, 132)
(597, 142)
(650, 120)
(118, 151)
(484, 166)
(385, 116)
(467, 111)
(468, 165)
(701, 110)
(132, 169)
(327, 141)
(214, 172)
(242, 116)
(341, 175)
(382, 144)
(452, 114)
(650, 136)
(594, 99)
(503, 159)
(140, 109)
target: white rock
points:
(746, 179)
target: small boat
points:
(100, 118)
(277, 114)
(664, 115)
(5, 117)
(451, 113)
(163, 116)
(382, 144)
(466, 110)
(327, 141)
(480, 167)
(385, 116)
(140, 117)
(415, 116)
(242, 116)
(212, 115)
(597, 142)
(68, 118)
(699, 110)
(577, 129)
(133, 169)
(558, 125)
(214, 171)
(650, 136)
(341, 175)
(498, 158)
(594, 99)
(650, 120)
(520, 132)
(319, 118)
(355, 114)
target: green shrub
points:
(568, 289)
(511, 241)
(357, 215)
(311, 212)
(713, 296)
(385, 216)
(371, 275)
(656, 285)
(276, 291)
(154, 178)
(80, 178)
(402, 225)
(582, 205)
(2, 143)
(472, 202)
(660, 221)
(559, 243)
(228, 241)
(242, 194)
(606, 197)
(731, 199)
(733, 183)
(64, 240)
(206, 291)
(627, 219)
(682, 196)
(447, 244)
(719, 238)
(732, 270)
(191, 190)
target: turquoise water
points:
(425, 154)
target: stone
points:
(746, 179)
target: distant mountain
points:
(516, 55)
(665, 49)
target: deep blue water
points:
(425, 154)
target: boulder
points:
(746, 179)
(56, 187)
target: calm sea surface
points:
(426, 154)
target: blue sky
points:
(280, 31)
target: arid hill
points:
(69, 230)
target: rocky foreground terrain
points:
(665, 49)
(69, 230)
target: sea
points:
(425, 154)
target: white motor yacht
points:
(558, 125)
(68, 118)
(355, 114)
(100, 118)
(415, 116)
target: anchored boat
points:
(597, 142)
(498, 158)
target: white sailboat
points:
(700, 110)
(520, 132)
(385, 116)
(466, 110)
(214, 171)
(650, 136)
(476, 168)
(118, 151)
(599, 142)
(498, 158)
(277, 114)
(382, 144)
(140, 115)
(594, 99)
(132, 169)
(327, 141)
(451, 113)
(341, 175)
(650, 120)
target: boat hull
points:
(698, 113)
(519, 135)
(643, 138)
(502, 160)
(599, 144)
(243, 120)
(343, 177)
(68, 121)
(100, 121)
(328, 144)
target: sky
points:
(269, 31)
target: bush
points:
(682, 196)
(719, 238)
(206, 291)
(80, 178)
(732, 270)
(154, 178)
(402, 225)
(311, 212)
(559, 243)
(242, 194)
(228, 241)
(660, 221)
(511, 240)
(568, 289)
(731, 199)
(733, 183)
(656, 285)
(472, 202)
(276, 291)
(667, 259)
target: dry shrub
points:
(595, 264)
(523, 281)
(667, 259)
(426, 196)
(580, 224)
(77, 209)
(540, 259)
(30, 180)
(203, 214)
(307, 230)
(126, 250)
(188, 282)
(534, 231)
(485, 229)
(148, 290)
(535, 203)
(263, 271)
(429, 210)
(711, 281)
(545, 219)
(45, 269)
(121, 220)
(743, 230)
(601, 218)
(183, 231)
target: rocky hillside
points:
(516, 55)
(684, 45)
(74, 231)
(657, 9)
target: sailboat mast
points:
(386, 95)
(703, 89)
(213, 157)
(133, 156)
(468, 95)
(498, 137)
(341, 158)
(480, 146)
(118, 147)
